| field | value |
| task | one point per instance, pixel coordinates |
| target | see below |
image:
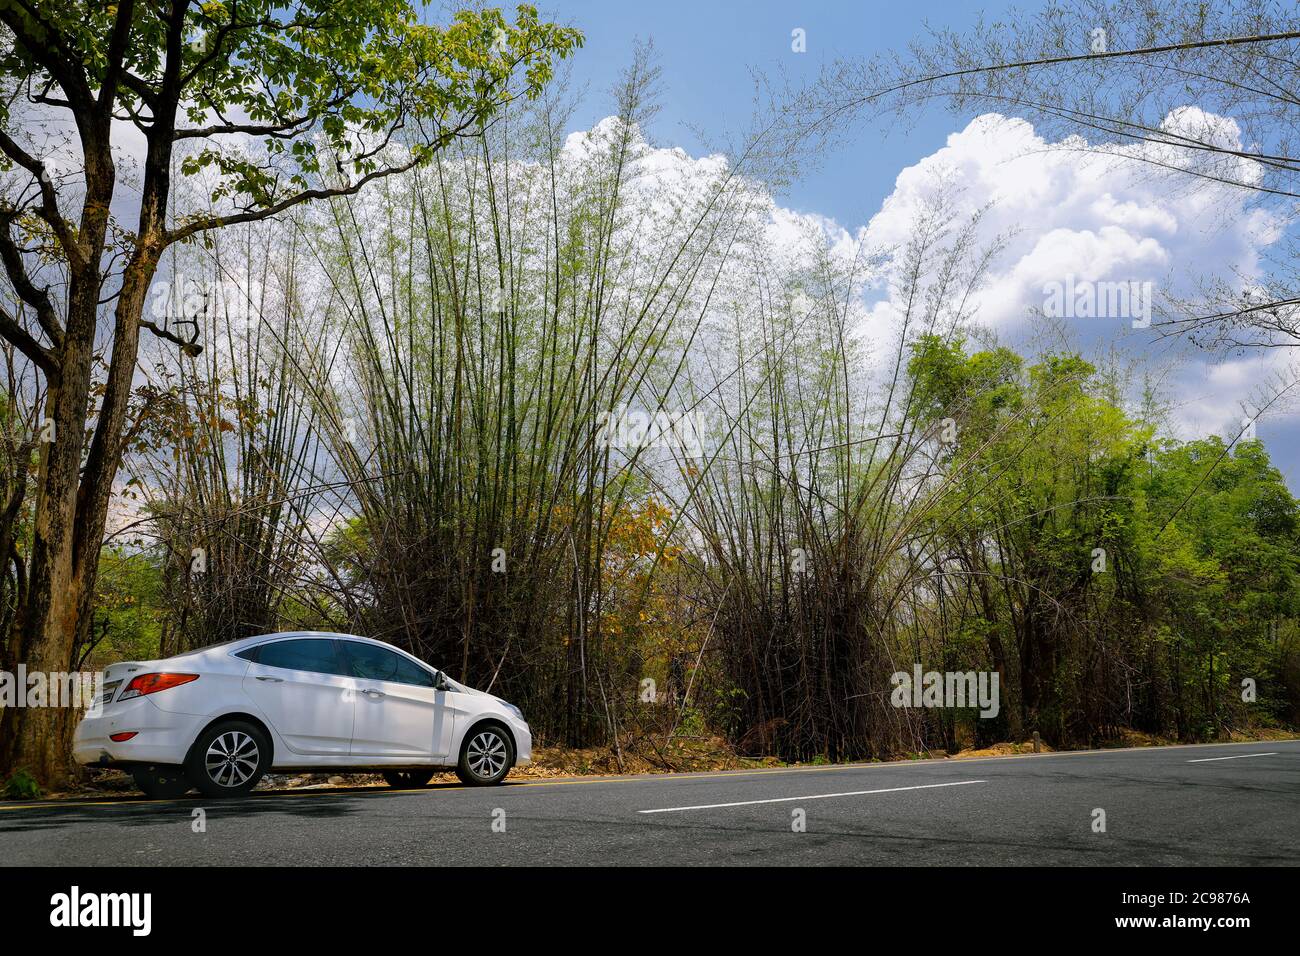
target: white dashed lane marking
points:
(1234, 757)
(815, 796)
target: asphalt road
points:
(1231, 804)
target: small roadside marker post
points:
(1038, 743)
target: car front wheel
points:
(229, 759)
(486, 756)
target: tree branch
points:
(1047, 61)
(38, 299)
(47, 47)
(257, 215)
(116, 52)
(16, 335)
(192, 349)
(49, 198)
(285, 130)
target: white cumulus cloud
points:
(1115, 214)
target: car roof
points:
(283, 635)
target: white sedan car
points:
(220, 717)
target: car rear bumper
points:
(160, 737)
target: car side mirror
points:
(440, 682)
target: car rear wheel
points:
(407, 779)
(161, 783)
(486, 756)
(229, 759)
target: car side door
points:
(398, 711)
(301, 686)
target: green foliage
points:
(22, 786)
(324, 84)
(129, 607)
(1113, 552)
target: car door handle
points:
(272, 680)
(373, 694)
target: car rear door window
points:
(315, 654)
(369, 662)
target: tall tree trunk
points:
(39, 734)
(72, 500)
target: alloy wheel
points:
(487, 754)
(232, 758)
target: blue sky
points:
(707, 49)
(1071, 219)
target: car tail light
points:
(152, 683)
(126, 735)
